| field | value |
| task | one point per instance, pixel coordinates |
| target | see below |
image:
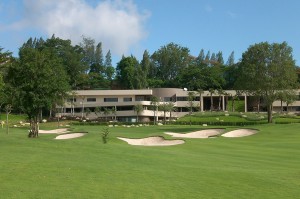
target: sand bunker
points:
(152, 141)
(55, 131)
(240, 133)
(69, 136)
(198, 134)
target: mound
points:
(152, 141)
(55, 131)
(69, 136)
(198, 134)
(240, 133)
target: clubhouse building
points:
(93, 103)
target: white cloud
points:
(116, 23)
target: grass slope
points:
(265, 165)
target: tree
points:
(98, 111)
(220, 93)
(39, 80)
(219, 58)
(169, 60)
(138, 108)
(191, 77)
(109, 69)
(164, 107)
(154, 102)
(126, 72)
(200, 58)
(191, 98)
(106, 112)
(230, 60)
(71, 57)
(113, 110)
(211, 91)
(266, 69)
(171, 108)
(200, 92)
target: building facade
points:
(119, 104)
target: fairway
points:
(264, 165)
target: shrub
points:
(105, 133)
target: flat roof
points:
(112, 92)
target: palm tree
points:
(220, 93)
(98, 111)
(200, 92)
(154, 105)
(138, 108)
(211, 91)
(114, 112)
(106, 112)
(171, 108)
(191, 97)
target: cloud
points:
(116, 23)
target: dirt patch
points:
(198, 134)
(240, 133)
(152, 141)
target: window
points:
(168, 99)
(182, 99)
(111, 99)
(139, 98)
(91, 99)
(127, 99)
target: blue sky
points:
(130, 27)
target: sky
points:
(128, 27)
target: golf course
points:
(263, 165)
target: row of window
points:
(137, 98)
(114, 99)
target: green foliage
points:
(169, 60)
(38, 80)
(266, 68)
(105, 134)
(127, 73)
(239, 105)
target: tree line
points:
(46, 70)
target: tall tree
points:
(39, 80)
(191, 99)
(169, 60)
(154, 105)
(138, 108)
(97, 67)
(200, 58)
(192, 77)
(126, 72)
(219, 58)
(266, 69)
(109, 69)
(88, 46)
(230, 60)
(207, 58)
(71, 57)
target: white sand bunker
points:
(240, 133)
(198, 134)
(55, 131)
(152, 141)
(69, 136)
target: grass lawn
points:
(265, 165)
